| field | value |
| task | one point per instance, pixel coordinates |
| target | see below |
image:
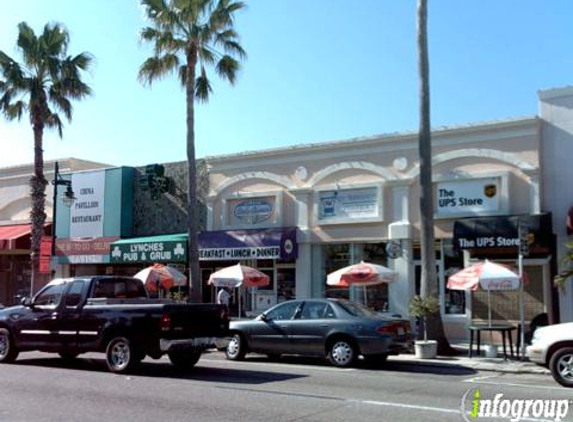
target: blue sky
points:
(318, 70)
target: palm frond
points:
(227, 68)
(157, 67)
(15, 110)
(28, 44)
(203, 87)
(183, 75)
(53, 121)
(206, 55)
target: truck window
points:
(118, 288)
(50, 296)
(74, 295)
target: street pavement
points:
(43, 388)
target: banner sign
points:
(86, 213)
(160, 251)
(99, 246)
(467, 196)
(235, 245)
(349, 204)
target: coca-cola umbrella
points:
(488, 276)
(239, 275)
(159, 275)
(361, 274)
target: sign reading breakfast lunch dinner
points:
(86, 213)
(467, 197)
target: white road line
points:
(478, 379)
(510, 384)
(409, 406)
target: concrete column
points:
(399, 230)
(210, 204)
(304, 260)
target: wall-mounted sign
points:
(252, 211)
(349, 204)
(86, 213)
(476, 196)
(161, 251)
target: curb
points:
(501, 367)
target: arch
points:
(360, 165)
(504, 157)
(264, 175)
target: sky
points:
(317, 71)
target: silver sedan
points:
(339, 330)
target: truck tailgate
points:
(197, 320)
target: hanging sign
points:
(86, 214)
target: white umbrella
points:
(159, 275)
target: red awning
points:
(10, 236)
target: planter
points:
(490, 351)
(426, 349)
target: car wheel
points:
(237, 348)
(8, 350)
(68, 356)
(185, 360)
(561, 366)
(341, 353)
(119, 355)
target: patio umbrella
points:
(159, 275)
(361, 274)
(239, 275)
(486, 275)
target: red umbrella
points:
(161, 275)
(364, 274)
(239, 275)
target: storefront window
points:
(336, 257)
(454, 300)
(286, 287)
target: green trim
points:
(178, 237)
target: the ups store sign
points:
(503, 232)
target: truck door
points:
(69, 328)
(39, 326)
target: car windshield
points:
(357, 309)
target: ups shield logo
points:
(490, 190)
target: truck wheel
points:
(236, 349)
(119, 355)
(341, 353)
(8, 350)
(561, 366)
(185, 360)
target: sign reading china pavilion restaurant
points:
(152, 249)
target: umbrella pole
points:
(365, 297)
(239, 300)
(521, 309)
(489, 307)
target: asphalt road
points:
(42, 387)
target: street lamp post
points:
(68, 199)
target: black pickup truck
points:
(112, 315)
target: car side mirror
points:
(27, 301)
(263, 317)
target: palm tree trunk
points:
(38, 195)
(195, 283)
(429, 281)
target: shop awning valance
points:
(502, 231)
(229, 245)
(17, 236)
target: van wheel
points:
(119, 355)
(237, 348)
(341, 353)
(185, 360)
(8, 350)
(561, 366)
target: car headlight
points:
(536, 336)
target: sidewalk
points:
(476, 363)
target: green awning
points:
(163, 249)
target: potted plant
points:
(423, 308)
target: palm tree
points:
(429, 280)
(188, 36)
(42, 86)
